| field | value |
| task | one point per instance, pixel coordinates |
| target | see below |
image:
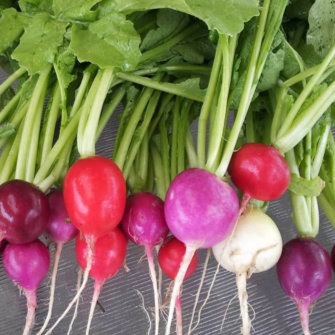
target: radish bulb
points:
(254, 246)
(304, 271)
(144, 224)
(200, 210)
(27, 265)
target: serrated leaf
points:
(305, 187)
(39, 44)
(7, 130)
(36, 6)
(12, 24)
(226, 16)
(110, 41)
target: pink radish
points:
(27, 265)
(200, 210)
(144, 224)
(60, 230)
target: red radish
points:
(260, 172)
(60, 230)
(144, 224)
(200, 210)
(304, 272)
(24, 212)
(108, 258)
(95, 198)
(27, 265)
(3, 244)
(170, 257)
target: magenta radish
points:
(108, 258)
(30, 221)
(304, 271)
(27, 265)
(254, 246)
(200, 210)
(3, 244)
(144, 224)
(60, 230)
(260, 172)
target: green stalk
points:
(165, 87)
(250, 128)
(48, 130)
(169, 44)
(50, 159)
(40, 87)
(206, 107)
(305, 93)
(320, 151)
(308, 165)
(190, 149)
(158, 171)
(327, 207)
(175, 132)
(11, 158)
(122, 151)
(6, 150)
(306, 120)
(187, 104)
(150, 184)
(298, 34)
(315, 217)
(144, 159)
(86, 109)
(10, 107)
(165, 152)
(88, 141)
(32, 153)
(276, 123)
(174, 68)
(10, 80)
(135, 143)
(248, 90)
(326, 75)
(110, 109)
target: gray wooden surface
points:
(275, 314)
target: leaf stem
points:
(175, 132)
(190, 149)
(10, 107)
(10, 80)
(174, 68)
(165, 152)
(158, 170)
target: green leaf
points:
(305, 187)
(36, 6)
(308, 54)
(105, 8)
(12, 26)
(76, 10)
(6, 130)
(226, 16)
(298, 9)
(39, 44)
(191, 85)
(170, 23)
(111, 41)
(7, 3)
(6, 97)
(321, 33)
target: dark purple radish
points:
(304, 271)
(60, 230)
(27, 265)
(24, 212)
(200, 210)
(144, 224)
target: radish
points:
(254, 246)
(304, 271)
(3, 244)
(144, 224)
(170, 257)
(200, 210)
(260, 172)
(28, 223)
(27, 265)
(95, 198)
(108, 258)
(60, 231)
(333, 257)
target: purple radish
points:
(144, 224)
(24, 212)
(27, 265)
(304, 271)
(200, 210)
(60, 230)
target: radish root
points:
(97, 289)
(199, 289)
(179, 316)
(304, 318)
(160, 277)
(153, 276)
(31, 306)
(80, 276)
(241, 281)
(57, 253)
(190, 251)
(144, 310)
(225, 314)
(90, 245)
